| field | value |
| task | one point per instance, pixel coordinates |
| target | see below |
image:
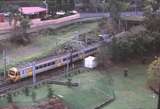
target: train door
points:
(81, 54)
(26, 72)
(30, 71)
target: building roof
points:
(31, 10)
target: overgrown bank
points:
(45, 43)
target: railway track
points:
(55, 74)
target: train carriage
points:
(18, 73)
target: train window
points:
(40, 66)
(75, 55)
(48, 64)
(37, 67)
(90, 50)
(64, 59)
(52, 63)
(45, 65)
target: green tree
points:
(13, 14)
(115, 8)
(26, 91)
(24, 26)
(132, 45)
(69, 82)
(151, 22)
(1, 5)
(20, 35)
(50, 91)
(152, 5)
(9, 98)
(33, 95)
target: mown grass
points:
(93, 90)
(131, 92)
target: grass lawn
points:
(93, 90)
(131, 92)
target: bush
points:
(9, 98)
(26, 91)
(50, 91)
(134, 45)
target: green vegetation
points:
(50, 91)
(94, 88)
(9, 98)
(129, 45)
(131, 92)
(33, 95)
(46, 44)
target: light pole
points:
(135, 1)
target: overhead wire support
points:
(4, 62)
(34, 73)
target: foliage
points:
(24, 24)
(151, 22)
(103, 5)
(154, 72)
(103, 57)
(58, 5)
(115, 8)
(130, 45)
(20, 35)
(26, 91)
(50, 91)
(1, 5)
(9, 98)
(33, 95)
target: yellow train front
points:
(18, 73)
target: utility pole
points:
(135, 6)
(69, 62)
(34, 73)
(5, 63)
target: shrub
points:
(134, 45)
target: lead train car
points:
(18, 73)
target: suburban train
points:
(20, 72)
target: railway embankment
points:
(43, 44)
